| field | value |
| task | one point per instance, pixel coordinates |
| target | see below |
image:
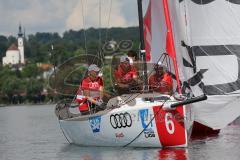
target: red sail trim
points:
(148, 32)
(170, 43)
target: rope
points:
(128, 99)
(84, 27)
(108, 22)
(63, 132)
(160, 107)
(100, 24)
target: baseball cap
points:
(161, 64)
(124, 58)
(93, 67)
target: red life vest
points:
(156, 84)
(94, 89)
(125, 77)
(88, 84)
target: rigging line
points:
(85, 33)
(84, 27)
(238, 56)
(151, 71)
(229, 94)
(126, 101)
(129, 99)
(227, 48)
(220, 69)
(186, 22)
(217, 40)
(69, 74)
(108, 22)
(169, 62)
(160, 107)
(100, 24)
(234, 14)
(84, 30)
(100, 53)
(63, 132)
(208, 25)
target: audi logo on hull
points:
(121, 120)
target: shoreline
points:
(26, 104)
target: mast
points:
(142, 44)
(170, 47)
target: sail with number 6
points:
(206, 37)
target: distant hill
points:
(38, 46)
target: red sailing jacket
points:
(164, 85)
(93, 87)
(123, 77)
(88, 84)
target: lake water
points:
(32, 133)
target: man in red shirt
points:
(92, 90)
(161, 81)
(125, 75)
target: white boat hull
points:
(124, 126)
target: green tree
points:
(5, 72)
(11, 39)
(3, 46)
(107, 78)
(31, 70)
(79, 52)
(34, 87)
(12, 85)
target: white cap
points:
(162, 64)
(130, 60)
(124, 58)
(93, 67)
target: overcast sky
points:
(61, 15)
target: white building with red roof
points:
(15, 53)
(12, 56)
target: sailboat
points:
(204, 55)
(206, 34)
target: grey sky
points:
(61, 15)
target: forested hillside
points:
(37, 46)
(29, 86)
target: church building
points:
(15, 54)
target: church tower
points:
(20, 44)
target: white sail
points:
(158, 31)
(156, 36)
(213, 30)
(207, 42)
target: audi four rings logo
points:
(121, 120)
